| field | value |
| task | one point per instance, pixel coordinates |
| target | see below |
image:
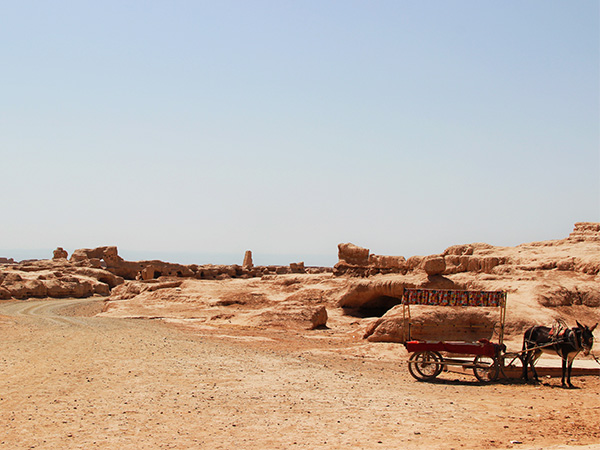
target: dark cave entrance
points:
(376, 307)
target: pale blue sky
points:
(191, 130)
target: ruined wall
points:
(481, 258)
(455, 259)
(97, 271)
(586, 231)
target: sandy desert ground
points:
(72, 380)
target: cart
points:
(429, 358)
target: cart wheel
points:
(486, 369)
(425, 366)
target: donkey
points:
(566, 343)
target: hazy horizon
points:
(199, 257)
(187, 257)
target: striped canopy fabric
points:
(435, 297)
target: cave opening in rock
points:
(375, 307)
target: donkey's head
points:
(587, 338)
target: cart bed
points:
(483, 347)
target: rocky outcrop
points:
(104, 276)
(550, 274)
(98, 270)
(5, 294)
(353, 254)
(108, 253)
(389, 264)
(543, 280)
(55, 278)
(108, 258)
(434, 265)
(585, 231)
(297, 267)
(374, 294)
(378, 295)
(289, 301)
(431, 323)
(356, 261)
(248, 264)
(471, 263)
(60, 253)
(129, 270)
(483, 258)
(568, 294)
(293, 315)
(56, 283)
(132, 289)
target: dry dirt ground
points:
(69, 380)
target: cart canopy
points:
(435, 297)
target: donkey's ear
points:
(579, 325)
(594, 327)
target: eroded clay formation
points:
(540, 278)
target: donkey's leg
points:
(525, 358)
(534, 374)
(535, 356)
(525, 355)
(569, 367)
(564, 372)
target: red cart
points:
(429, 358)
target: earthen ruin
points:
(540, 278)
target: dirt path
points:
(69, 380)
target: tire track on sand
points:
(48, 310)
